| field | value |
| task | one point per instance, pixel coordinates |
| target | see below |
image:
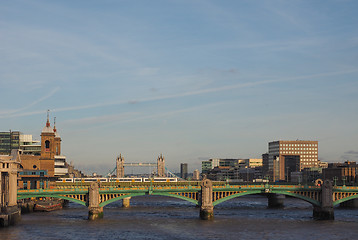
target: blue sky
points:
(190, 79)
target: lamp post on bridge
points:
(344, 178)
(335, 180)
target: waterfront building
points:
(29, 146)
(254, 162)
(9, 141)
(234, 173)
(39, 170)
(196, 175)
(207, 166)
(265, 165)
(233, 169)
(184, 170)
(290, 156)
(15, 140)
(341, 172)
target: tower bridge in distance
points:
(160, 164)
(205, 194)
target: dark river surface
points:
(154, 217)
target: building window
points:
(47, 145)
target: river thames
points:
(167, 218)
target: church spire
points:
(54, 124)
(47, 128)
(48, 118)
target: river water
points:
(157, 217)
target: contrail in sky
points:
(17, 113)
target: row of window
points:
(300, 153)
(304, 149)
(5, 165)
(308, 160)
(299, 144)
(308, 156)
(308, 163)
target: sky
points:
(189, 79)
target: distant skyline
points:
(192, 80)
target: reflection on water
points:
(167, 218)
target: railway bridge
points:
(204, 194)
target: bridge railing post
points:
(94, 210)
(325, 210)
(206, 200)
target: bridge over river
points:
(204, 194)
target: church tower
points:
(47, 159)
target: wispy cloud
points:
(351, 155)
(101, 119)
(352, 152)
(114, 119)
(19, 113)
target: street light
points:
(335, 180)
(344, 178)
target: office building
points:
(14, 140)
(196, 175)
(29, 146)
(184, 170)
(341, 173)
(9, 141)
(288, 156)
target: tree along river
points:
(155, 217)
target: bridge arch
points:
(143, 194)
(52, 196)
(342, 200)
(295, 195)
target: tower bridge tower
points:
(120, 166)
(161, 166)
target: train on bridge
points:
(138, 179)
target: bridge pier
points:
(126, 202)
(94, 210)
(206, 201)
(10, 213)
(325, 210)
(275, 200)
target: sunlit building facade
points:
(291, 156)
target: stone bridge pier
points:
(275, 200)
(126, 202)
(94, 210)
(206, 200)
(325, 210)
(9, 211)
